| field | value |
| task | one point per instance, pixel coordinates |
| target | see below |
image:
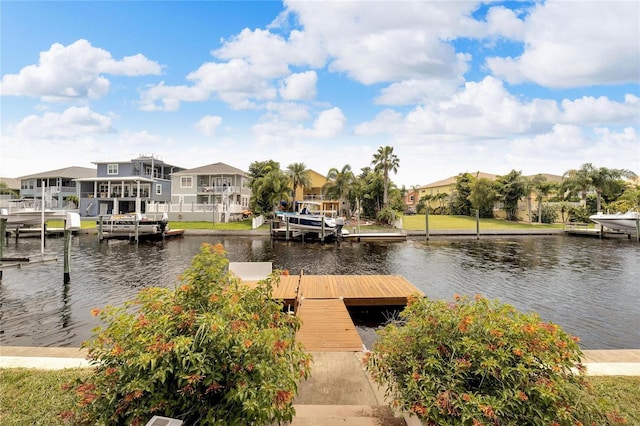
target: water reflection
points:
(588, 286)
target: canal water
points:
(588, 286)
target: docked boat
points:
(309, 219)
(623, 222)
(127, 226)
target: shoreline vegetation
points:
(31, 396)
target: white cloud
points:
(299, 86)
(487, 110)
(73, 72)
(601, 110)
(574, 44)
(72, 123)
(329, 124)
(208, 125)
(505, 23)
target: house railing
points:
(221, 189)
(194, 208)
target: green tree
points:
(260, 202)
(299, 176)
(511, 188)
(606, 181)
(372, 191)
(542, 189)
(271, 190)
(4, 190)
(459, 202)
(482, 196)
(213, 351)
(385, 161)
(338, 187)
(629, 199)
(578, 181)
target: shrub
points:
(549, 214)
(482, 363)
(387, 215)
(212, 351)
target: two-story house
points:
(126, 186)
(315, 193)
(58, 186)
(217, 192)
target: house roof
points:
(143, 158)
(550, 177)
(452, 180)
(67, 172)
(11, 182)
(212, 169)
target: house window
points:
(186, 182)
(112, 169)
(158, 189)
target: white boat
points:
(310, 219)
(625, 222)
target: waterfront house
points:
(439, 192)
(59, 186)
(216, 192)
(126, 186)
(314, 193)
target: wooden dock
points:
(375, 236)
(327, 327)
(321, 302)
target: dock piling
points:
(67, 256)
(3, 237)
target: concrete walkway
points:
(624, 362)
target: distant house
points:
(9, 190)
(314, 193)
(126, 186)
(438, 193)
(58, 185)
(217, 192)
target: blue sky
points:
(540, 87)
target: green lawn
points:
(442, 222)
(37, 397)
(410, 223)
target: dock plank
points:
(327, 327)
(358, 289)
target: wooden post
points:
(638, 229)
(67, 256)
(477, 224)
(100, 228)
(426, 224)
(137, 226)
(322, 229)
(3, 237)
(286, 234)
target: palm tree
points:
(603, 179)
(579, 181)
(299, 176)
(272, 188)
(415, 189)
(339, 184)
(532, 185)
(542, 190)
(385, 161)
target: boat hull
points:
(627, 222)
